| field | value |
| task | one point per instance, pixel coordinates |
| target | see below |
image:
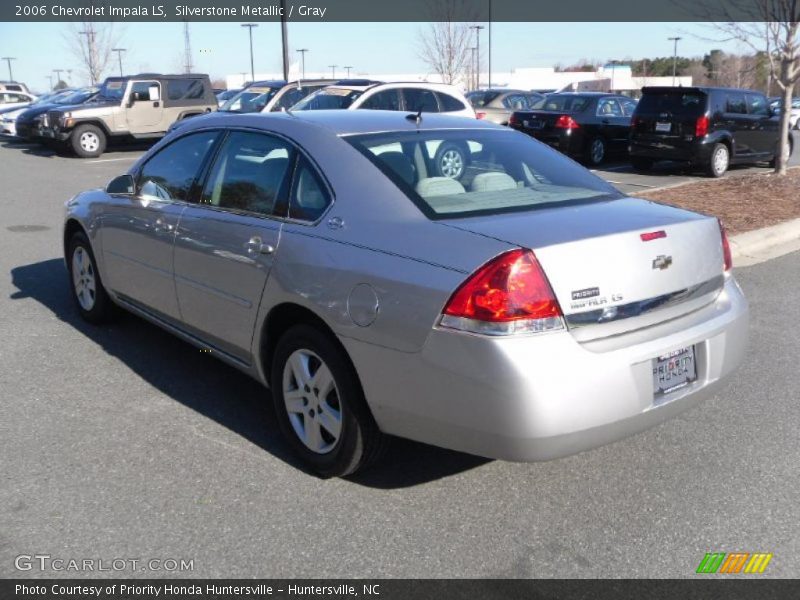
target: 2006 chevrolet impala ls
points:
(514, 307)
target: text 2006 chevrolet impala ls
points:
(524, 310)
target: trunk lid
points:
(607, 279)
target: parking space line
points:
(105, 160)
(631, 183)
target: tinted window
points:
(628, 106)
(757, 105)
(169, 174)
(677, 103)
(293, 96)
(563, 103)
(248, 173)
(734, 103)
(448, 103)
(309, 197)
(506, 172)
(185, 89)
(516, 102)
(417, 99)
(328, 98)
(608, 107)
(481, 98)
(252, 99)
(385, 100)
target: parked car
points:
(794, 113)
(224, 95)
(413, 97)
(139, 107)
(496, 105)
(29, 123)
(707, 127)
(584, 125)
(525, 311)
(13, 86)
(15, 99)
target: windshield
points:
(503, 171)
(78, 97)
(562, 103)
(677, 103)
(479, 99)
(328, 98)
(113, 89)
(253, 99)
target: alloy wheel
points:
(451, 164)
(89, 141)
(83, 278)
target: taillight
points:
(566, 122)
(513, 120)
(480, 115)
(635, 121)
(701, 126)
(727, 264)
(510, 294)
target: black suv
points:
(707, 127)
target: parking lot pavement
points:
(124, 442)
(667, 174)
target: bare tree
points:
(90, 43)
(444, 44)
(773, 30)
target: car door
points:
(384, 100)
(226, 241)
(764, 126)
(144, 110)
(613, 125)
(736, 120)
(138, 231)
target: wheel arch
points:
(99, 123)
(71, 227)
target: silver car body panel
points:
(378, 273)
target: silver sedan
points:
(524, 310)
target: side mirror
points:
(155, 93)
(123, 184)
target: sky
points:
(221, 49)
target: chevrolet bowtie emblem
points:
(662, 262)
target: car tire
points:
(596, 151)
(642, 164)
(719, 161)
(451, 161)
(346, 439)
(88, 141)
(88, 292)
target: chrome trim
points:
(609, 314)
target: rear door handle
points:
(257, 246)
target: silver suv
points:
(137, 107)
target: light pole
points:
(348, 71)
(252, 67)
(477, 29)
(58, 75)
(472, 65)
(490, 44)
(119, 52)
(674, 58)
(8, 59)
(89, 33)
(284, 42)
(244, 78)
(302, 52)
(333, 71)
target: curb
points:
(753, 247)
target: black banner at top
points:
(389, 10)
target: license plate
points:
(536, 124)
(673, 371)
(664, 127)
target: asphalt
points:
(124, 442)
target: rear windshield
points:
(677, 103)
(562, 103)
(479, 99)
(253, 99)
(328, 98)
(462, 173)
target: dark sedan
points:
(29, 122)
(587, 126)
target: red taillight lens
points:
(566, 122)
(726, 248)
(513, 120)
(652, 235)
(480, 115)
(509, 294)
(701, 126)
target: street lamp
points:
(252, 67)
(89, 33)
(302, 52)
(58, 75)
(348, 71)
(472, 65)
(674, 58)
(333, 71)
(8, 59)
(119, 52)
(477, 29)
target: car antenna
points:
(417, 118)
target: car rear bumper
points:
(694, 152)
(545, 396)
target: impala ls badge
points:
(662, 262)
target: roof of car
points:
(266, 83)
(346, 122)
(702, 88)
